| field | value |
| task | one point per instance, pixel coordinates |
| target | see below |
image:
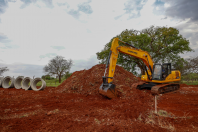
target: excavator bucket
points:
(108, 89)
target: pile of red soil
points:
(89, 81)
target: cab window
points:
(157, 72)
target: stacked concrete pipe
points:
(21, 82)
(1, 80)
(6, 80)
(18, 81)
(35, 81)
(25, 83)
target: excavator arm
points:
(108, 88)
(131, 51)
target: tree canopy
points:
(164, 44)
(58, 66)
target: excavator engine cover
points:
(108, 89)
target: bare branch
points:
(3, 69)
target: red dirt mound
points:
(89, 81)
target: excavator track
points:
(164, 88)
(136, 85)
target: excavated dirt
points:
(76, 106)
(88, 81)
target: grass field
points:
(52, 83)
(190, 83)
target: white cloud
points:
(166, 5)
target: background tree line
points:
(189, 69)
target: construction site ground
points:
(76, 106)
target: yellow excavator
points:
(158, 77)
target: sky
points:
(32, 32)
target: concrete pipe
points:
(35, 81)
(18, 82)
(1, 80)
(8, 82)
(26, 83)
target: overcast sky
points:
(34, 31)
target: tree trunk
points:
(142, 71)
(59, 79)
(141, 68)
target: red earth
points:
(75, 105)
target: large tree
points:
(3, 69)
(163, 43)
(58, 66)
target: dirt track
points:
(83, 109)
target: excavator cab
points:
(166, 70)
(160, 72)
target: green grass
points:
(190, 83)
(51, 82)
